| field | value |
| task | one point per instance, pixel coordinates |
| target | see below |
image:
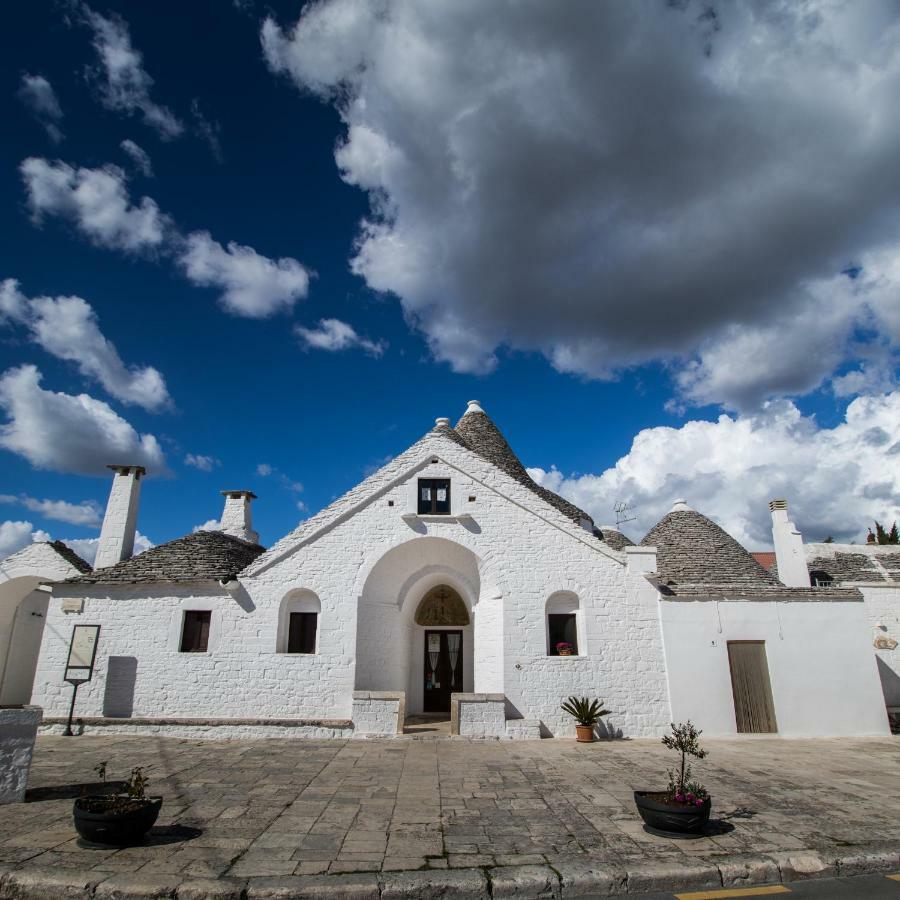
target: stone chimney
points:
(236, 517)
(788, 541)
(119, 522)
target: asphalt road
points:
(863, 887)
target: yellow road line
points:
(736, 892)
(893, 877)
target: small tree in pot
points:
(120, 819)
(683, 808)
(587, 713)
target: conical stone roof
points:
(614, 538)
(693, 550)
(478, 433)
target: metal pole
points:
(68, 731)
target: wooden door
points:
(443, 669)
(754, 710)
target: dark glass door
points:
(443, 669)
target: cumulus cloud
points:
(95, 201)
(264, 470)
(138, 156)
(67, 328)
(38, 95)
(123, 83)
(252, 285)
(15, 535)
(619, 183)
(201, 462)
(68, 433)
(86, 548)
(86, 513)
(208, 525)
(837, 480)
(333, 334)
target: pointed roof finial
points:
(474, 407)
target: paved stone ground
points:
(271, 808)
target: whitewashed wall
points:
(369, 566)
(882, 606)
(823, 675)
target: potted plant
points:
(564, 648)
(683, 808)
(121, 818)
(587, 713)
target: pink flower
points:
(698, 802)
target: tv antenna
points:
(623, 512)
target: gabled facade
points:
(448, 583)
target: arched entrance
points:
(423, 593)
(443, 616)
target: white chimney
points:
(236, 517)
(120, 520)
(788, 541)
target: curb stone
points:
(569, 877)
(530, 882)
(301, 887)
(435, 883)
(660, 876)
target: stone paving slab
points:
(279, 818)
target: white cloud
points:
(67, 328)
(208, 525)
(67, 433)
(14, 536)
(38, 95)
(138, 156)
(618, 186)
(124, 85)
(201, 462)
(333, 334)
(253, 285)
(264, 469)
(95, 201)
(86, 513)
(837, 480)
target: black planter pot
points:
(119, 829)
(672, 820)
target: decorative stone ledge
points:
(478, 715)
(218, 728)
(18, 729)
(379, 713)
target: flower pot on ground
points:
(120, 819)
(587, 713)
(683, 808)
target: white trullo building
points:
(451, 583)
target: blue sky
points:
(574, 355)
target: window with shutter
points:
(195, 631)
(434, 497)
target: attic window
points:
(195, 631)
(434, 497)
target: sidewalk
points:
(450, 818)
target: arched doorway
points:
(443, 616)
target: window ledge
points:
(567, 658)
(436, 517)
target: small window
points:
(563, 634)
(434, 497)
(195, 631)
(302, 632)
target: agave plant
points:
(584, 710)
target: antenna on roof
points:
(622, 510)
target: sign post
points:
(80, 664)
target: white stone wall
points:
(377, 713)
(368, 565)
(882, 608)
(482, 718)
(18, 729)
(823, 676)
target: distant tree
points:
(828, 540)
(886, 537)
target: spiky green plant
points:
(584, 710)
